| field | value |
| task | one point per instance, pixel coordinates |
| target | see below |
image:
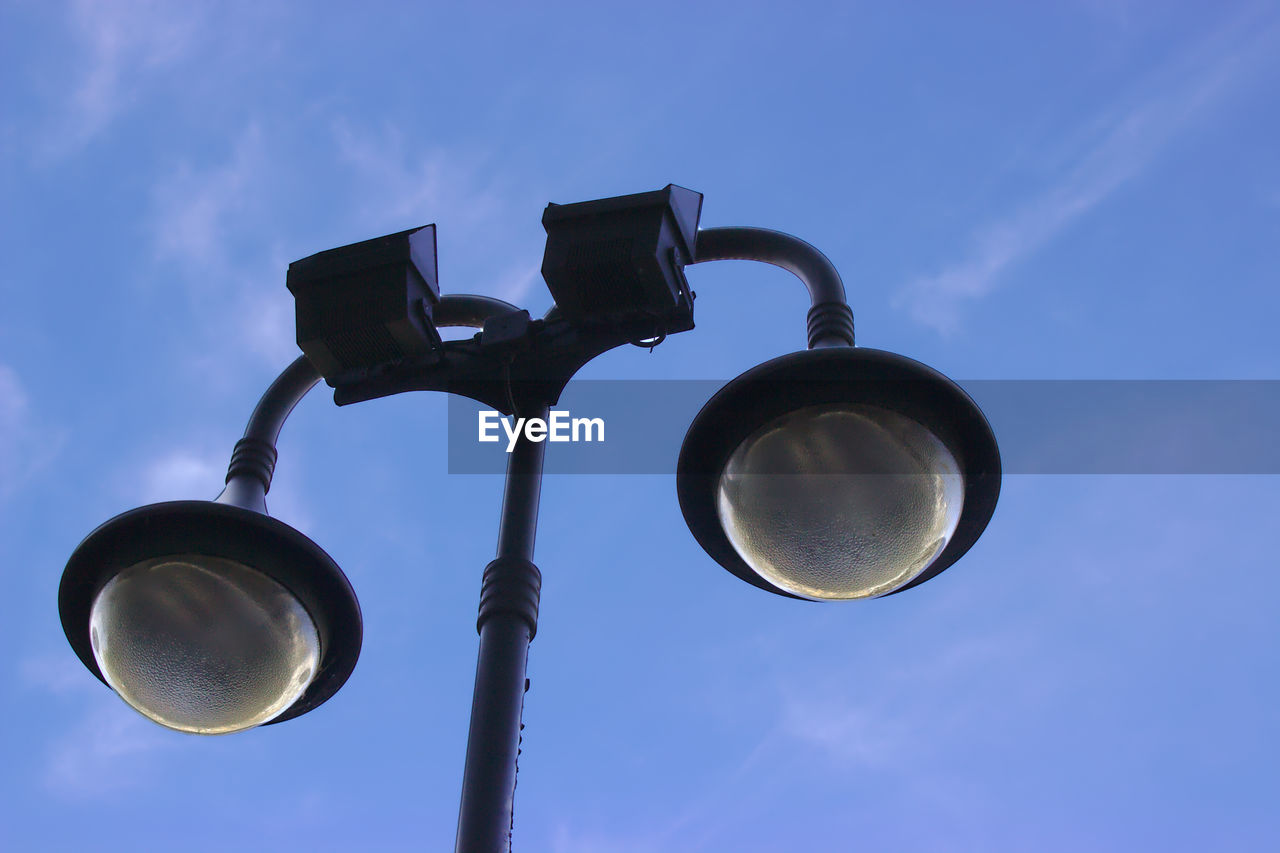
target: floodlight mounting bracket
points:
(515, 364)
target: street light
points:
(210, 616)
(830, 473)
(838, 473)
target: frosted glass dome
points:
(840, 501)
(202, 644)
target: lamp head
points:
(838, 473)
(210, 618)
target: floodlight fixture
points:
(368, 304)
(618, 259)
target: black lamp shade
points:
(881, 393)
(268, 553)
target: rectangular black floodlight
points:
(622, 259)
(367, 304)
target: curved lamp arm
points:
(278, 401)
(253, 461)
(466, 309)
(830, 320)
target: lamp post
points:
(830, 473)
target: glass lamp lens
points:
(839, 502)
(202, 644)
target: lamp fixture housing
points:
(924, 446)
(221, 554)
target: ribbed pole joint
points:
(830, 323)
(255, 458)
(510, 585)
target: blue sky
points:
(1077, 190)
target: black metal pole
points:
(507, 623)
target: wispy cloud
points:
(866, 720)
(109, 750)
(517, 283)
(113, 748)
(855, 734)
(194, 210)
(206, 225)
(125, 44)
(1122, 143)
(55, 673)
(266, 318)
(14, 425)
(183, 475)
(569, 839)
(25, 445)
(884, 721)
(401, 185)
